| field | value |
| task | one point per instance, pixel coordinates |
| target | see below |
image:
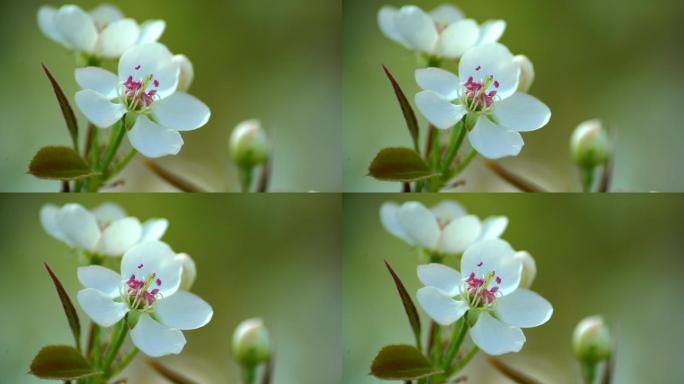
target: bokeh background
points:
(619, 256)
(615, 60)
(251, 260)
(276, 61)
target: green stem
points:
(589, 373)
(115, 139)
(126, 360)
(436, 150)
(436, 352)
(464, 361)
(246, 178)
(456, 341)
(94, 150)
(463, 164)
(587, 178)
(117, 340)
(457, 136)
(122, 164)
(248, 374)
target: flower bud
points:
(249, 144)
(251, 343)
(526, 72)
(592, 341)
(187, 73)
(188, 273)
(589, 144)
(529, 268)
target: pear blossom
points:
(189, 271)
(445, 228)
(145, 92)
(102, 32)
(147, 292)
(487, 289)
(486, 91)
(442, 33)
(251, 342)
(105, 230)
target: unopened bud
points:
(589, 144)
(249, 144)
(251, 343)
(529, 268)
(592, 341)
(526, 72)
(188, 273)
(187, 73)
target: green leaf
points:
(401, 362)
(60, 362)
(59, 163)
(167, 373)
(409, 307)
(68, 306)
(406, 109)
(400, 164)
(64, 105)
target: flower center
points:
(478, 291)
(477, 96)
(139, 95)
(141, 292)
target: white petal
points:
(387, 17)
(152, 140)
(106, 213)
(155, 339)
(448, 210)
(76, 28)
(46, 23)
(446, 14)
(100, 308)
(496, 338)
(447, 280)
(440, 307)
(104, 14)
(187, 72)
(522, 112)
(143, 60)
(99, 80)
(439, 81)
(458, 37)
(119, 236)
(417, 28)
(103, 279)
(183, 310)
(153, 229)
(118, 37)
(493, 227)
(151, 31)
(438, 110)
(390, 220)
(181, 112)
(48, 218)
(419, 224)
(98, 109)
(523, 308)
(153, 257)
(460, 234)
(491, 31)
(493, 256)
(487, 60)
(494, 141)
(79, 226)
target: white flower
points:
(145, 90)
(102, 32)
(249, 144)
(589, 144)
(485, 89)
(147, 290)
(106, 230)
(444, 32)
(592, 341)
(251, 342)
(487, 289)
(187, 72)
(446, 228)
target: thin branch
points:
(173, 179)
(606, 176)
(513, 179)
(430, 138)
(405, 187)
(264, 177)
(267, 378)
(167, 373)
(512, 373)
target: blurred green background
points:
(276, 61)
(619, 256)
(620, 61)
(251, 261)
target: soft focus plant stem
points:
(115, 139)
(464, 361)
(117, 340)
(459, 332)
(587, 174)
(126, 360)
(589, 373)
(457, 136)
(245, 178)
(248, 374)
(463, 164)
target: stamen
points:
(480, 263)
(137, 67)
(140, 266)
